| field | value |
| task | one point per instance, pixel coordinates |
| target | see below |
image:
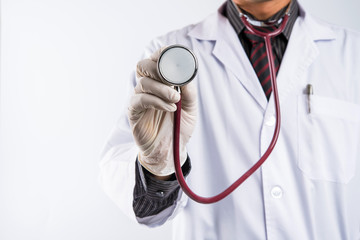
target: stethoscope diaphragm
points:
(177, 65)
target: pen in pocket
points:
(309, 92)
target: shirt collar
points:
(232, 13)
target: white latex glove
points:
(151, 118)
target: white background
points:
(63, 70)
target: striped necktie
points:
(259, 60)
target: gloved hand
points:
(151, 118)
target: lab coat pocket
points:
(328, 138)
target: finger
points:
(165, 92)
(147, 68)
(155, 56)
(141, 102)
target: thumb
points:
(188, 97)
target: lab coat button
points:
(276, 192)
(270, 121)
(160, 193)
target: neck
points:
(262, 9)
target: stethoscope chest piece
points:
(177, 65)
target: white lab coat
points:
(309, 188)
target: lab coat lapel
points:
(229, 51)
(300, 53)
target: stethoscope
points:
(178, 66)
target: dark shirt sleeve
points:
(151, 195)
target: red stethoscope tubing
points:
(177, 117)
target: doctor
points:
(309, 188)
